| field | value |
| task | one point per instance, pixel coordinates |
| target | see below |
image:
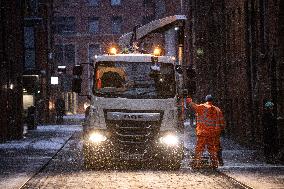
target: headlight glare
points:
(97, 137)
(169, 139)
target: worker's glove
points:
(223, 133)
(188, 100)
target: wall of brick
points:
(131, 11)
(11, 64)
(235, 50)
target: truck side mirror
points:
(76, 85)
(191, 83)
(191, 87)
(77, 70)
(178, 69)
(190, 73)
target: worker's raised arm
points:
(190, 103)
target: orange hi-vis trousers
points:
(212, 143)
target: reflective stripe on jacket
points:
(210, 119)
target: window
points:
(63, 25)
(94, 2)
(29, 41)
(94, 49)
(65, 54)
(58, 54)
(148, 84)
(31, 7)
(69, 54)
(115, 2)
(116, 24)
(66, 82)
(94, 25)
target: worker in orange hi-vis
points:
(209, 125)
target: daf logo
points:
(133, 117)
(120, 116)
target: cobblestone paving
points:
(66, 171)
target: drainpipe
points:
(181, 51)
(3, 119)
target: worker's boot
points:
(197, 163)
(214, 161)
(220, 158)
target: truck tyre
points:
(171, 161)
(175, 165)
(92, 159)
(91, 164)
(170, 165)
(89, 161)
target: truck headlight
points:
(170, 140)
(97, 137)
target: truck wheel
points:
(170, 165)
(174, 165)
(171, 162)
(92, 162)
(167, 164)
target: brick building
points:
(24, 64)
(11, 63)
(237, 50)
(37, 52)
(84, 28)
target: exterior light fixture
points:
(54, 80)
(97, 137)
(170, 140)
(61, 69)
(157, 51)
(113, 50)
(200, 51)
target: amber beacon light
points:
(157, 51)
(113, 50)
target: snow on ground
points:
(48, 143)
(74, 116)
(47, 138)
(15, 144)
(59, 128)
(14, 181)
(258, 179)
(53, 144)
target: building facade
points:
(11, 69)
(236, 48)
(84, 28)
(37, 57)
(24, 64)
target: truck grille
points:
(133, 132)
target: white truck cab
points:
(133, 114)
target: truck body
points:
(133, 115)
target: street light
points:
(54, 80)
(61, 69)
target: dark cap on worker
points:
(209, 98)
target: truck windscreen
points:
(134, 80)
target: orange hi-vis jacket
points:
(210, 120)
